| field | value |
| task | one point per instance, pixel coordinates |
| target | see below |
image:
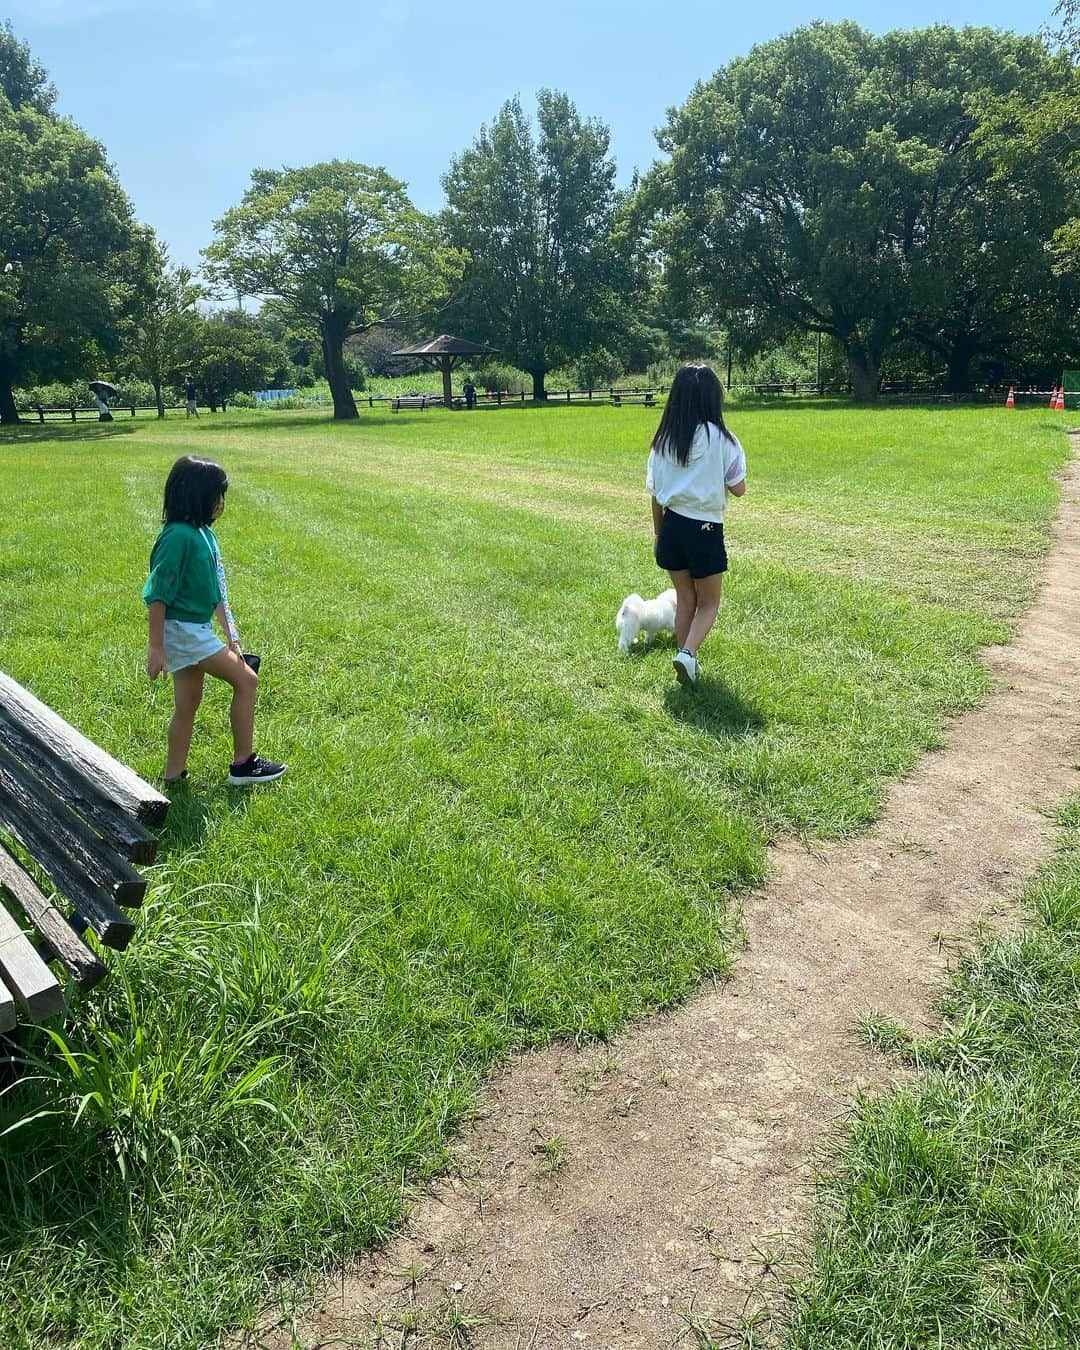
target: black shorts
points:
(694, 546)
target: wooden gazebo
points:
(444, 353)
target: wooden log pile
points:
(73, 820)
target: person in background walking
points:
(469, 390)
(694, 463)
(189, 397)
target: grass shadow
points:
(67, 431)
(641, 649)
(711, 706)
(185, 825)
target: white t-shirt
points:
(698, 488)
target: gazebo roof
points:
(445, 345)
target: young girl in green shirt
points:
(184, 592)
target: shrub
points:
(354, 368)
(55, 395)
(507, 378)
(375, 348)
(139, 392)
(598, 369)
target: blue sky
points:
(189, 97)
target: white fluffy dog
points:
(645, 616)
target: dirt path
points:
(601, 1195)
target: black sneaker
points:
(254, 770)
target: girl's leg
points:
(187, 695)
(685, 605)
(708, 602)
(228, 666)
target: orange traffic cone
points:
(1052, 405)
(1010, 402)
(1060, 405)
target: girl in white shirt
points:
(695, 462)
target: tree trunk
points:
(9, 414)
(159, 398)
(336, 376)
(863, 373)
(539, 392)
(958, 376)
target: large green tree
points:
(160, 325)
(229, 353)
(536, 216)
(831, 181)
(341, 247)
(68, 241)
(1029, 139)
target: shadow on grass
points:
(67, 431)
(191, 809)
(185, 825)
(712, 707)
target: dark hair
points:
(696, 396)
(192, 490)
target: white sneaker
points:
(686, 667)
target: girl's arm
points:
(223, 619)
(737, 470)
(155, 656)
(657, 517)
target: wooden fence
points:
(72, 412)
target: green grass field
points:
(495, 829)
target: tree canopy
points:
(160, 326)
(229, 354)
(535, 216)
(341, 247)
(70, 244)
(831, 181)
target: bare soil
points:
(603, 1193)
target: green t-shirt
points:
(183, 574)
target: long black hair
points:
(192, 490)
(696, 396)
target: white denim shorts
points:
(186, 644)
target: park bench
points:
(646, 397)
(421, 401)
(72, 814)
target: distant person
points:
(185, 591)
(101, 403)
(469, 390)
(693, 465)
(189, 397)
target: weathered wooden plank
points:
(35, 987)
(61, 940)
(130, 838)
(116, 781)
(108, 921)
(23, 797)
(7, 1008)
